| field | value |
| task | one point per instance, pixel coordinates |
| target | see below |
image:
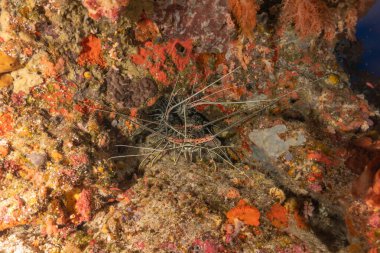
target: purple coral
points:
(205, 22)
(127, 93)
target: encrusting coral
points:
(91, 52)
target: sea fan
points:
(244, 12)
(310, 18)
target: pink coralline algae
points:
(104, 8)
(78, 159)
(83, 206)
(207, 246)
(344, 115)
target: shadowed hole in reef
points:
(268, 13)
(126, 171)
(330, 230)
(327, 225)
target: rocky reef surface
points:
(184, 126)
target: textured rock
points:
(24, 79)
(127, 93)
(206, 22)
(37, 159)
(269, 141)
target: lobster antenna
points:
(205, 88)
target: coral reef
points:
(184, 126)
